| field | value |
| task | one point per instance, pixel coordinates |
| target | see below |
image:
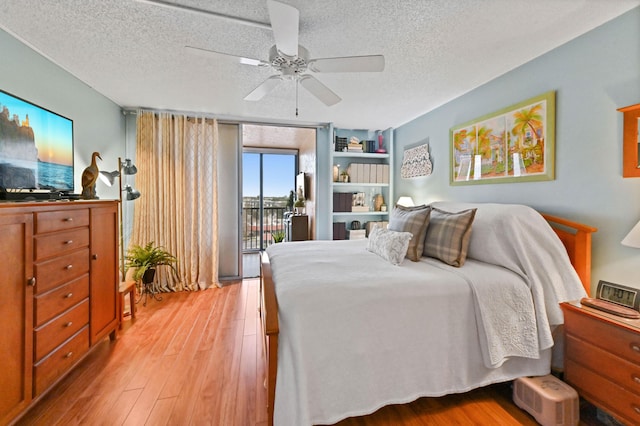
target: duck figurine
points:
(89, 178)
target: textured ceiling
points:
(435, 50)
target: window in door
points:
(268, 178)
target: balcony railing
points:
(273, 221)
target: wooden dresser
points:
(59, 293)
(602, 359)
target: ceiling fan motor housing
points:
(290, 66)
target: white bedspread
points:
(357, 333)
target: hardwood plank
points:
(161, 411)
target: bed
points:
(346, 331)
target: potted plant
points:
(299, 205)
(146, 259)
(277, 236)
(344, 176)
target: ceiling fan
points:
(289, 60)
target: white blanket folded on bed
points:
(518, 238)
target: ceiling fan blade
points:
(284, 22)
(208, 53)
(371, 63)
(319, 90)
(266, 86)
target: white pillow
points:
(389, 245)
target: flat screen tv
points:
(36, 147)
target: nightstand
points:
(602, 359)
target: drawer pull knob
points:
(69, 242)
(69, 324)
(636, 379)
(635, 347)
(69, 355)
(69, 266)
(68, 296)
(68, 219)
(95, 257)
(31, 281)
(636, 409)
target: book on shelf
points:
(359, 209)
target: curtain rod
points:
(227, 119)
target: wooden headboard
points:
(576, 237)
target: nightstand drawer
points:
(612, 339)
(623, 373)
(61, 242)
(610, 396)
(47, 371)
(61, 269)
(61, 219)
(62, 298)
(60, 329)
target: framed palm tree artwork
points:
(515, 144)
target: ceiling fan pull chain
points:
(297, 84)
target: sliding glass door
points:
(268, 177)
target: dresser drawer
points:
(47, 371)
(59, 243)
(617, 370)
(55, 302)
(61, 219)
(59, 270)
(615, 340)
(604, 393)
(56, 331)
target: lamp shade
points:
(109, 177)
(128, 168)
(633, 237)
(132, 194)
(405, 202)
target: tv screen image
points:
(36, 147)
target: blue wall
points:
(592, 75)
(98, 123)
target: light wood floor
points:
(195, 358)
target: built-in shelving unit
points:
(375, 184)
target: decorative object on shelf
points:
(299, 206)
(344, 176)
(630, 140)
(336, 172)
(146, 259)
(416, 162)
(405, 201)
(378, 202)
(514, 144)
(354, 145)
(126, 168)
(355, 225)
(89, 178)
(380, 149)
(340, 144)
(383, 208)
(359, 202)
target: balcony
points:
(253, 238)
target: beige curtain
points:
(177, 176)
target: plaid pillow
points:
(414, 220)
(448, 234)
